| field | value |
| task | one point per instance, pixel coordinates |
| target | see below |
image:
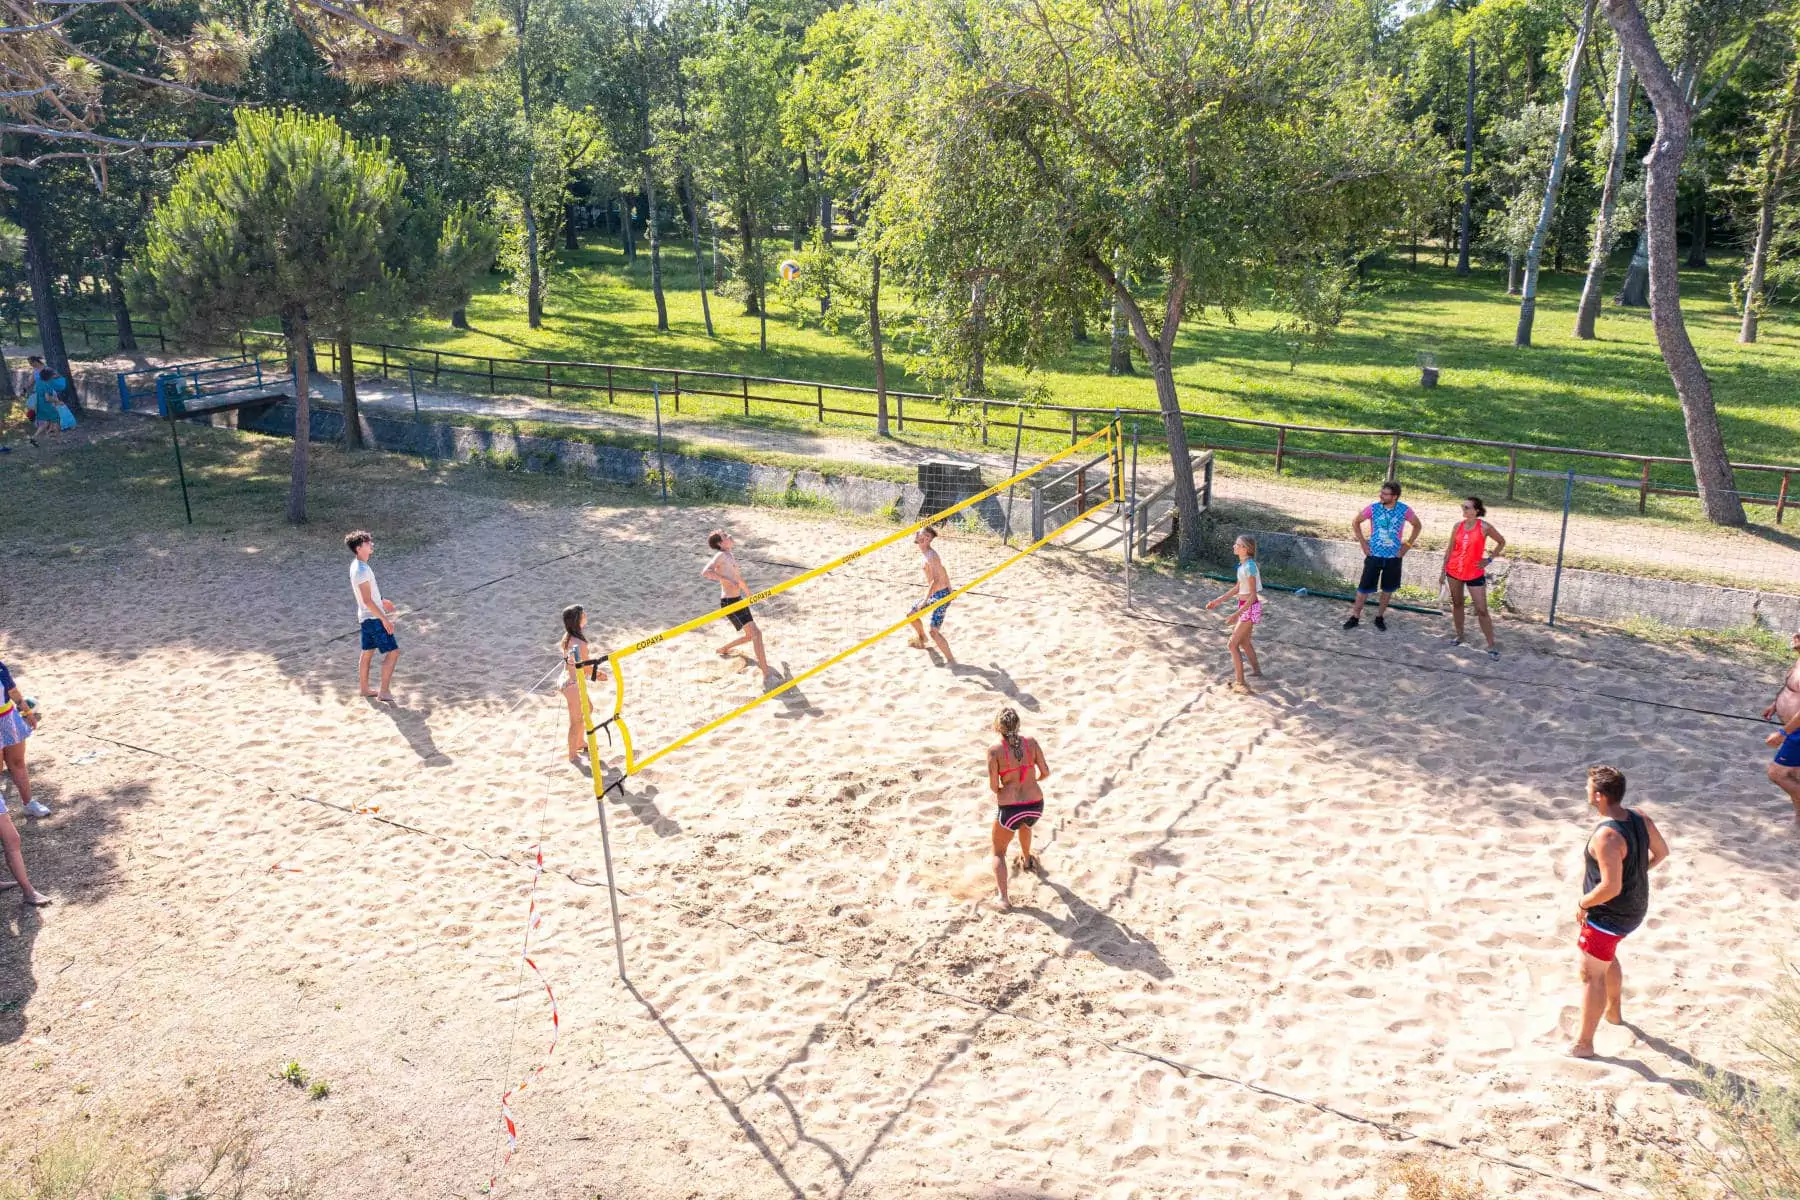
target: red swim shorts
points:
(1599, 943)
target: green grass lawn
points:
(1613, 393)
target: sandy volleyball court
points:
(1282, 940)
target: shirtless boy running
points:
(1784, 772)
(937, 586)
(723, 570)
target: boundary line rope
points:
(800, 947)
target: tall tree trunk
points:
(655, 236)
(712, 201)
(802, 211)
(627, 236)
(1662, 168)
(570, 241)
(534, 287)
(1697, 242)
(299, 352)
(459, 317)
(8, 392)
(1158, 352)
(39, 271)
(1118, 359)
(346, 348)
(1078, 328)
(1512, 273)
(1462, 240)
(825, 238)
(975, 379)
(752, 286)
(693, 208)
(1778, 159)
(1634, 290)
(1589, 310)
(881, 399)
(1559, 162)
(762, 313)
(294, 339)
(115, 292)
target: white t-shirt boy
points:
(361, 573)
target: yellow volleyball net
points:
(1062, 491)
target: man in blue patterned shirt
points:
(1392, 529)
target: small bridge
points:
(206, 386)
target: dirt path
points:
(1762, 555)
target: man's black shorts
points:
(740, 618)
(1379, 575)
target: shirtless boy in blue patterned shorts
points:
(937, 586)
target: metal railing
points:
(1046, 513)
(207, 384)
(1199, 464)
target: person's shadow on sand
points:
(417, 732)
(996, 679)
(794, 701)
(1108, 940)
(1738, 1087)
(642, 803)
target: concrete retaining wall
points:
(1594, 595)
(689, 477)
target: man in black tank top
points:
(1615, 897)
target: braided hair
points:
(1008, 725)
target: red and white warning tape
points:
(506, 1097)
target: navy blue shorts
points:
(376, 637)
(1789, 753)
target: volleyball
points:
(789, 269)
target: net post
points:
(1131, 514)
(597, 772)
(1556, 583)
(1018, 433)
(180, 471)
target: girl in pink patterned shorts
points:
(1248, 591)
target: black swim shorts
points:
(740, 618)
(1011, 816)
(1379, 575)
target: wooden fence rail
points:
(980, 416)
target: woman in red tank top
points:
(1015, 767)
(1465, 566)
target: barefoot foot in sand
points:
(1582, 1050)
